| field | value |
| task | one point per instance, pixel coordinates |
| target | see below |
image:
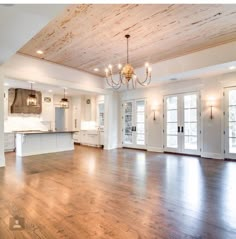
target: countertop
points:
(44, 132)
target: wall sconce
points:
(154, 110)
(211, 104)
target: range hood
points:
(17, 99)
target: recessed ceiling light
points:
(96, 69)
(40, 52)
(232, 67)
(6, 84)
(49, 91)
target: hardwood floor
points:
(124, 193)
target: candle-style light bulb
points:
(119, 66)
(106, 71)
(146, 65)
(150, 69)
(110, 66)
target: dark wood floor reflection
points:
(127, 194)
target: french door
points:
(230, 123)
(134, 125)
(182, 124)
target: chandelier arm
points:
(133, 83)
(146, 81)
(115, 86)
(112, 82)
(143, 83)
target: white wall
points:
(2, 157)
(111, 121)
(23, 67)
(212, 136)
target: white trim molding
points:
(155, 149)
(212, 155)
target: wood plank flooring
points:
(123, 193)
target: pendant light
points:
(31, 99)
(127, 75)
(64, 103)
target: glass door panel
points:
(172, 122)
(140, 122)
(190, 122)
(231, 123)
(128, 123)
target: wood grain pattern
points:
(89, 36)
(118, 194)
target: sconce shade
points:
(211, 102)
(154, 107)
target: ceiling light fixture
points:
(40, 52)
(31, 99)
(64, 103)
(127, 74)
(6, 84)
(96, 69)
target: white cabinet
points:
(76, 137)
(89, 137)
(9, 142)
(93, 137)
(101, 138)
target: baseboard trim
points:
(155, 149)
(212, 155)
(110, 148)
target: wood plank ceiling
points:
(92, 36)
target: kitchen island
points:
(42, 142)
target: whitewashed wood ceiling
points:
(92, 36)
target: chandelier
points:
(64, 103)
(31, 99)
(127, 74)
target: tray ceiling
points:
(92, 36)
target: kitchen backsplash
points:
(21, 123)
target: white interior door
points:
(182, 124)
(230, 123)
(134, 124)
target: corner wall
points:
(2, 156)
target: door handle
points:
(182, 129)
(133, 128)
(178, 129)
